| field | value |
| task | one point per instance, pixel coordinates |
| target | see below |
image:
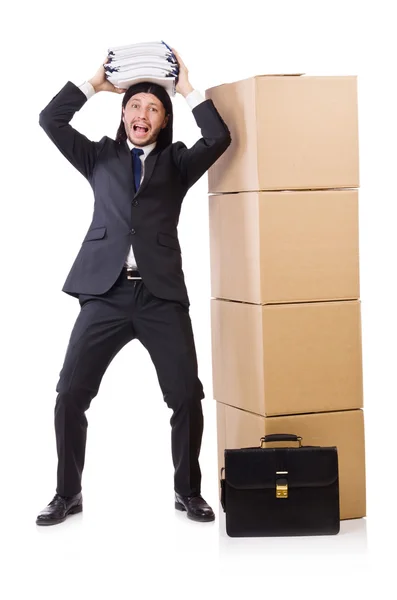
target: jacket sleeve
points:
(195, 161)
(81, 152)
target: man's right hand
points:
(101, 84)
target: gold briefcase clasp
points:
(281, 484)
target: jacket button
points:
(132, 231)
(135, 203)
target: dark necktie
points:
(137, 166)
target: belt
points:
(132, 273)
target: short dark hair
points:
(165, 136)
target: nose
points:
(143, 113)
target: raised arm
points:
(55, 119)
(195, 161)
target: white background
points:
(129, 542)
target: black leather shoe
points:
(195, 506)
(59, 508)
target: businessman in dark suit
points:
(128, 274)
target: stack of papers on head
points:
(147, 61)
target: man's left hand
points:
(183, 86)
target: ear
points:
(165, 122)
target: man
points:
(128, 273)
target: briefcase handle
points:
(281, 437)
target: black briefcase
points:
(281, 491)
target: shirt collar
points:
(146, 149)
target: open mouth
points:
(140, 130)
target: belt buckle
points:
(130, 276)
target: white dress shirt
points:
(193, 99)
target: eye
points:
(153, 108)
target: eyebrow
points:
(153, 103)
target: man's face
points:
(144, 117)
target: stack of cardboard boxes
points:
(285, 308)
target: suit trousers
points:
(104, 325)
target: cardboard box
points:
(274, 247)
(289, 132)
(345, 430)
(288, 358)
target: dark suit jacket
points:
(147, 219)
